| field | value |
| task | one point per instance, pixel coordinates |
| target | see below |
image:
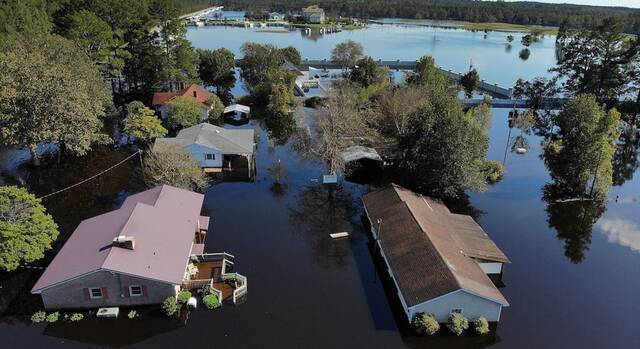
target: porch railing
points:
(201, 283)
(241, 289)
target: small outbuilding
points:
(237, 111)
(439, 261)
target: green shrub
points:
(216, 107)
(425, 324)
(38, 317)
(76, 317)
(211, 301)
(170, 306)
(134, 314)
(183, 296)
(494, 170)
(457, 324)
(481, 325)
(53, 317)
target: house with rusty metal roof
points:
(439, 261)
(196, 93)
(147, 250)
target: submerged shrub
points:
(183, 296)
(134, 314)
(494, 170)
(170, 306)
(76, 317)
(425, 324)
(481, 325)
(53, 317)
(38, 317)
(457, 324)
(211, 301)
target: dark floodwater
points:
(572, 284)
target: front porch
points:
(215, 270)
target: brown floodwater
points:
(571, 284)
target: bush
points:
(211, 301)
(494, 170)
(481, 325)
(134, 314)
(184, 296)
(76, 317)
(170, 306)
(425, 324)
(314, 102)
(216, 107)
(53, 317)
(457, 324)
(38, 317)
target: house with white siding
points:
(212, 146)
(440, 262)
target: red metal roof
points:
(195, 92)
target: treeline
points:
(526, 13)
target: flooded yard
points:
(574, 280)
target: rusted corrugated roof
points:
(163, 222)
(418, 236)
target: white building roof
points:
(237, 108)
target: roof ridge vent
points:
(123, 241)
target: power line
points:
(139, 152)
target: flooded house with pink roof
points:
(147, 250)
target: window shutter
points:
(125, 291)
(86, 294)
(105, 294)
(144, 290)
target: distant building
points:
(276, 17)
(196, 93)
(145, 251)
(439, 261)
(212, 146)
(313, 14)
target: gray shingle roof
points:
(227, 141)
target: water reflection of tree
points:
(322, 210)
(573, 220)
(280, 129)
(625, 158)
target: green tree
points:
(173, 166)
(26, 230)
(366, 73)
(291, 54)
(259, 59)
(142, 123)
(527, 40)
(580, 158)
(509, 39)
(183, 112)
(426, 74)
(217, 107)
(470, 82)
(216, 66)
(347, 53)
(597, 62)
(50, 92)
(444, 148)
(93, 35)
(24, 17)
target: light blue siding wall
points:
(198, 153)
(473, 307)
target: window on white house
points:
(210, 156)
(95, 292)
(456, 311)
(135, 290)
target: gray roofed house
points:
(138, 254)
(210, 145)
(439, 261)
